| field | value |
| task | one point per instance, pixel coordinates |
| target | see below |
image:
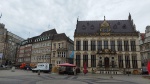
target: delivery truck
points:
(43, 67)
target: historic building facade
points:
(24, 52)
(145, 46)
(61, 47)
(41, 48)
(44, 48)
(8, 45)
(107, 46)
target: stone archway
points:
(106, 62)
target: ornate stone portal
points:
(106, 58)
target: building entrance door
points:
(106, 61)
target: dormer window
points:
(87, 23)
(92, 27)
(118, 23)
(83, 27)
(124, 26)
(115, 26)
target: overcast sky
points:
(28, 18)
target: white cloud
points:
(34, 16)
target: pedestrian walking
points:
(74, 70)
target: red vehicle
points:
(22, 65)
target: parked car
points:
(4, 66)
(27, 67)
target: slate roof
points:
(49, 32)
(47, 35)
(61, 36)
(116, 26)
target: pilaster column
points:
(124, 66)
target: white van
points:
(43, 67)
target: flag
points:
(85, 67)
(148, 67)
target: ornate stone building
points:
(145, 46)
(61, 47)
(107, 46)
(48, 47)
(8, 45)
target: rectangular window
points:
(93, 60)
(78, 60)
(85, 45)
(119, 42)
(120, 61)
(126, 46)
(85, 59)
(53, 54)
(127, 61)
(93, 46)
(99, 45)
(112, 45)
(64, 54)
(133, 46)
(58, 54)
(58, 45)
(134, 61)
(78, 45)
(105, 44)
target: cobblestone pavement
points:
(27, 77)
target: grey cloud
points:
(34, 16)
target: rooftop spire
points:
(104, 18)
(129, 17)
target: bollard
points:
(13, 69)
(38, 72)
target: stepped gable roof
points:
(49, 32)
(116, 26)
(61, 36)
